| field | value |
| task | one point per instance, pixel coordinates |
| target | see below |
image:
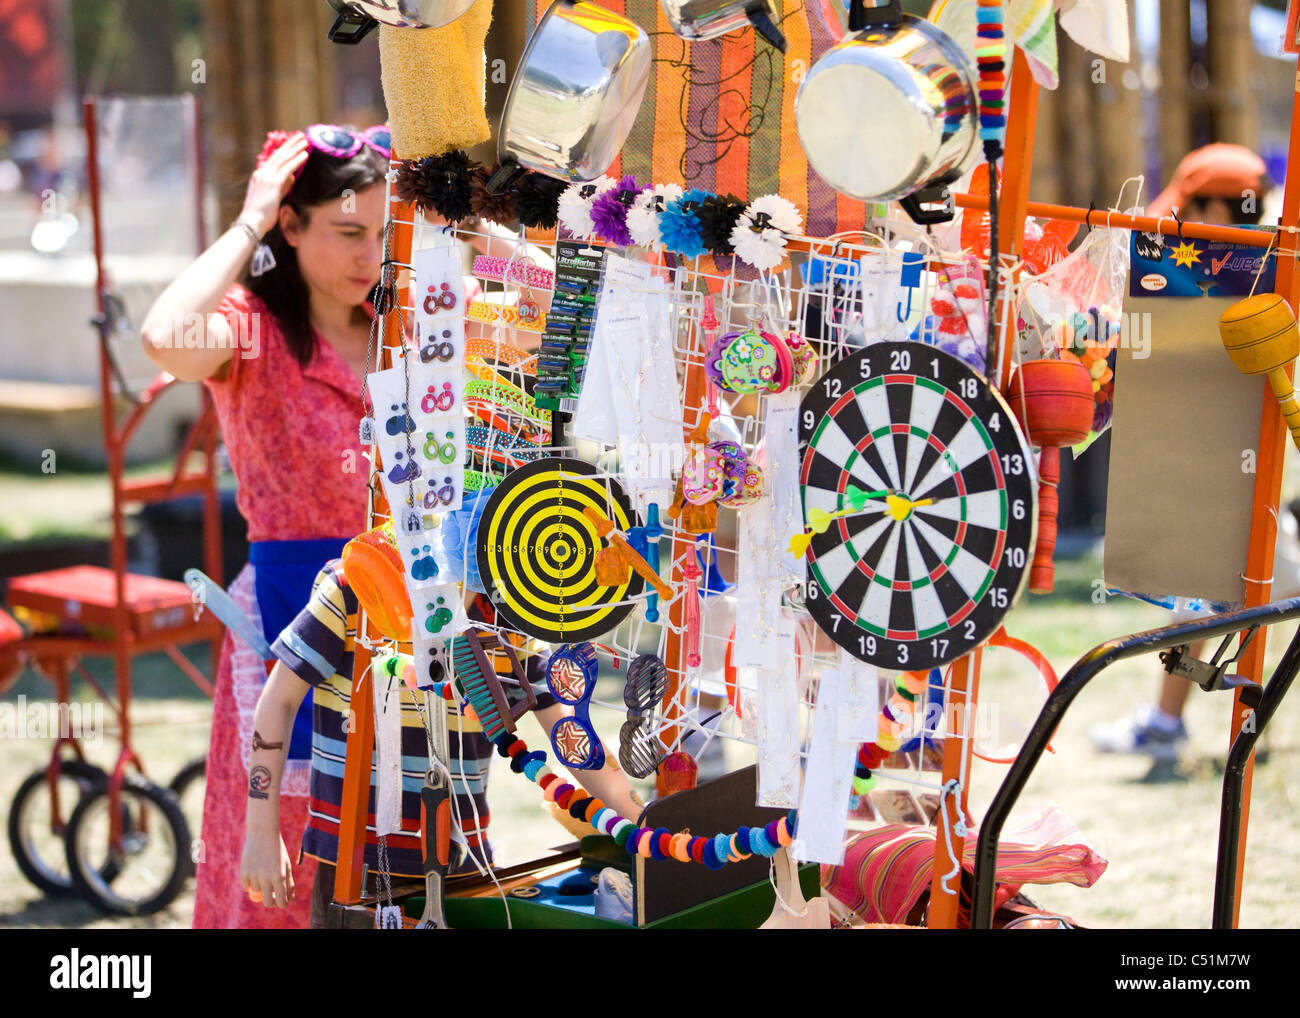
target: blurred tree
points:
(267, 66)
(131, 46)
(1108, 121)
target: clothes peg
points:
(694, 519)
(692, 573)
(707, 557)
(653, 531)
(709, 323)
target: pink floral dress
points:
(291, 435)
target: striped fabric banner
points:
(719, 115)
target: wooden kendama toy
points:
(1053, 402)
(1260, 336)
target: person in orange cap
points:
(1220, 184)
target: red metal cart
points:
(116, 818)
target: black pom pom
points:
(718, 216)
(499, 208)
(447, 190)
(412, 180)
(537, 199)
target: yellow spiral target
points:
(538, 551)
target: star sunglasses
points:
(571, 678)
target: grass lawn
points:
(1157, 826)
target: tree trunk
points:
(268, 66)
(1234, 112)
(1176, 100)
(1119, 126)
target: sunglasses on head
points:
(571, 678)
(344, 143)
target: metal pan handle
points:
(764, 26)
(861, 16)
(350, 24)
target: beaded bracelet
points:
(490, 314)
(520, 270)
(505, 395)
(499, 446)
(503, 353)
(650, 843)
(477, 480)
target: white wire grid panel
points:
(853, 298)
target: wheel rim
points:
(42, 845)
(147, 857)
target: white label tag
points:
(828, 779)
(781, 459)
(626, 272)
(778, 737)
(388, 752)
(859, 716)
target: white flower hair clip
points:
(759, 234)
(643, 216)
(575, 205)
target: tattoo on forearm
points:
(260, 743)
(259, 783)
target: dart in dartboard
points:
(538, 546)
(919, 502)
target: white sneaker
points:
(1140, 733)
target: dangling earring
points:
(263, 260)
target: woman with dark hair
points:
(281, 344)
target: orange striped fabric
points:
(886, 870)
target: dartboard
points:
(538, 550)
(920, 503)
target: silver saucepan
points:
(708, 19)
(891, 111)
(575, 95)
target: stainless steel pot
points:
(891, 110)
(708, 19)
(575, 95)
(357, 17)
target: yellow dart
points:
(820, 519)
(900, 506)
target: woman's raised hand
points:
(271, 181)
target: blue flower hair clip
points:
(679, 224)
